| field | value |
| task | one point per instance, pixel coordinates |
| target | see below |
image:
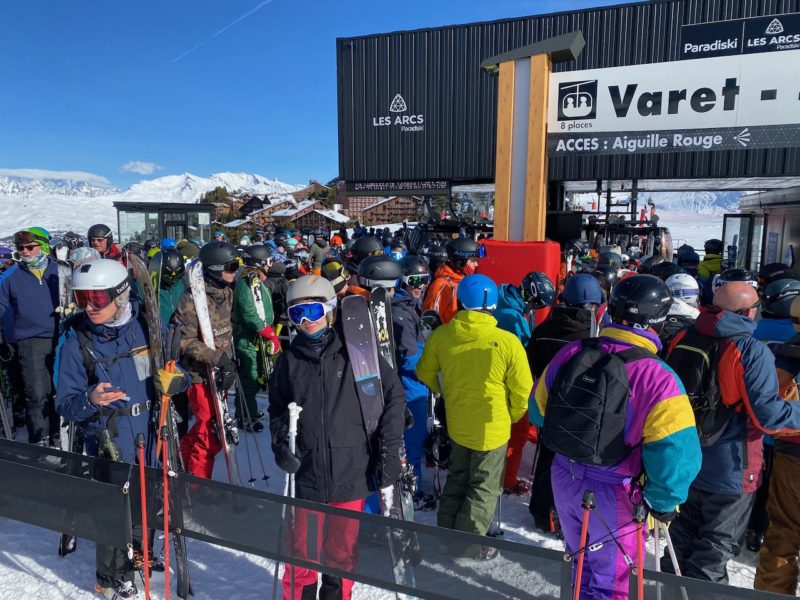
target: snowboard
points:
(381, 310)
(362, 350)
(154, 273)
(5, 419)
(226, 426)
(166, 412)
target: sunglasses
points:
(308, 311)
(97, 298)
(28, 247)
(96, 240)
(743, 311)
(416, 281)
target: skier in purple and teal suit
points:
(659, 430)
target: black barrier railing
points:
(87, 497)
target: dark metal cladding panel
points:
(438, 74)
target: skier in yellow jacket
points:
(485, 381)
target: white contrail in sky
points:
(223, 30)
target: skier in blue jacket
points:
(104, 380)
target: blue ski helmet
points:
(477, 292)
(582, 289)
(168, 242)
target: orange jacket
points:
(357, 290)
(441, 295)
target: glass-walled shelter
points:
(140, 221)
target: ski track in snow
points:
(31, 568)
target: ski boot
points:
(520, 488)
(754, 540)
(124, 591)
(156, 563)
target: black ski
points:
(382, 320)
(166, 413)
(362, 349)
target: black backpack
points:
(695, 359)
(587, 405)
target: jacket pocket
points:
(349, 455)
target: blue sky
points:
(200, 86)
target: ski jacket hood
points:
(659, 423)
(31, 301)
(485, 378)
(441, 295)
(511, 315)
(680, 308)
(709, 266)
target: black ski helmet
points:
(610, 258)
(649, 263)
(414, 265)
(734, 274)
(779, 295)
(215, 256)
(461, 250)
(173, 265)
(436, 255)
(768, 273)
(366, 246)
(713, 246)
(538, 290)
(606, 276)
(379, 271)
(150, 244)
(688, 258)
(257, 255)
(641, 299)
(101, 231)
(665, 270)
(73, 240)
(132, 247)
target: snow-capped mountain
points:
(698, 203)
(75, 201)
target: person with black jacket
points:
(335, 463)
(569, 321)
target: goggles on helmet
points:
(685, 293)
(309, 311)
(416, 281)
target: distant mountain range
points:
(74, 202)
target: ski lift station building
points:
(668, 95)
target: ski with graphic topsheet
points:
(362, 350)
(227, 432)
(264, 350)
(162, 357)
(381, 310)
(5, 419)
(154, 273)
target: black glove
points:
(227, 372)
(390, 466)
(286, 459)
(409, 419)
(6, 352)
(664, 517)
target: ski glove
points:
(664, 517)
(287, 460)
(6, 352)
(390, 466)
(269, 334)
(170, 384)
(227, 372)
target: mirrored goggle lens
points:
(685, 293)
(97, 298)
(481, 251)
(310, 311)
(416, 280)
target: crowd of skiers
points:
(648, 382)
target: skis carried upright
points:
(381, 310)
(166, 427)
(226, 426)
(5, 419)
(397, 503)
(154, 272)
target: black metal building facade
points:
(439, 73)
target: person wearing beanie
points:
(29, 296)
(108, 390)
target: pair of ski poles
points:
(639, 517)
(288, 490)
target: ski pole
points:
(588, 505)
(294, 416)
(169, 367)
(143, 500)
(639, 517)
(165, 469)
(657, 546)
(673, 558)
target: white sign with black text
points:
(729, 102)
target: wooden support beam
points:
(505, 135)
(536, 174)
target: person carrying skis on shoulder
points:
(515, 314)
(29, 293)
(573, 318)
(201, 444)
(409, 343)
(102, 239)
(462, 260)
(485, 382)
(334, 463)
(105, 381)
(251, 325)
(656, 437)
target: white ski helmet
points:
(310, 286)
(684, 286)
(102, 275)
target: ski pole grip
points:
(140, 440)
(639, 513)
(588, 500)
(294, 416)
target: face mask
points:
(34, 262)
(317, 335)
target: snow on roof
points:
(236, 223)
(379, 202)
(290, 212)
(333, 215)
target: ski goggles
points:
(416, 281)
(98, 298)
(687, 293)
(230, 267)
(310, 311)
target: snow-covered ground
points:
(31, 568)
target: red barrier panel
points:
(509, 262)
